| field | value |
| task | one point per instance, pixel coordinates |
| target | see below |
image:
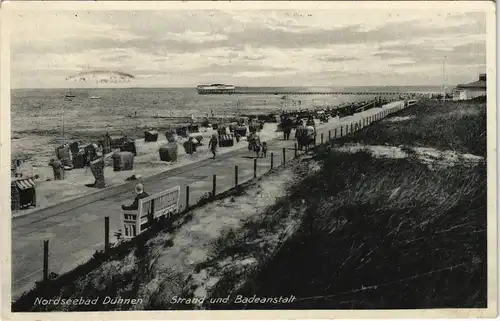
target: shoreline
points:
(149, 169)
(146, 164)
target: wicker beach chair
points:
(168, 152)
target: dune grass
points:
(374, 233)
(132, 270)
(382, 233)
(456, 125)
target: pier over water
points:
(296, 93)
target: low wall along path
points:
(75, 229)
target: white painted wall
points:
(468, 93)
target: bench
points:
(161, 205)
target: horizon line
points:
(268, 86)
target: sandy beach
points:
(146, 163)
(42, 120)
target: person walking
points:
(287, 132)
(264, 149)
(213, 145)
(257, 149)
(57, 168)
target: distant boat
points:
(215, 89)
(70, 96)
(95, 97)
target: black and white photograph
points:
(230, 157)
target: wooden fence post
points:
(187, 197)
(255, 168)
(284, 156)
(341, 129)
(272, 160)
(321, 138)
(335, 134)
(106, 234)
(236, 176)
(45, 260)
(214, 185)
(351, 127)
(295, 149)
(330, 134)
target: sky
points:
(181, 48)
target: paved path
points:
(75, 229)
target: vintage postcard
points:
(248, 160)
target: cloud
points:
(425, 52)
(337, 59)
(276, 47)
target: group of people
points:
(260, 148)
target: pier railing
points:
(301, 93)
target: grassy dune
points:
(384, 234)
(457, 125)
(175, 261)
(381, 233)
(350, 231)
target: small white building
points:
(471, 90)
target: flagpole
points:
(64, 140)
(444, 87)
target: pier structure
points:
(297, 93)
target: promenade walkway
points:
(75, 229)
